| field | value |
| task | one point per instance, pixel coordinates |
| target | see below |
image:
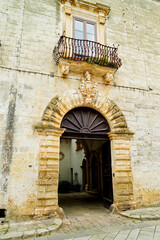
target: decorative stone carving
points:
(88, 88)
(59, 106)
(101, 17)
(69, 1)
(67, 10)
(64, 70)
(95, 7)
(108, 78)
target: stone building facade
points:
(36, 94)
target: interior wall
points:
(65, 163)
(72, 159)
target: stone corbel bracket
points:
(108, 77)
(101, 18)
(64, 70)
(103, 11)
(103, 8)
(65, 67)
(68, 7)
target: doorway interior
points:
(85, 172)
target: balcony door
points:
(85, 30)
(85, 35)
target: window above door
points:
(84, 29)
(84, 20)
(82, 45)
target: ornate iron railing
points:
(85, 50)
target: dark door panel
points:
(107, 172)
(85, 123)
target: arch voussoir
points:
(119, 120)
(58, 107)
(117, 115)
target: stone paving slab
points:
(146, 233)
(150, 213)
(28, 229)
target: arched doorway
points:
(49, 133)
(90, 128)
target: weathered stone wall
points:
(134, 26)
(28, 78)
(29, 30)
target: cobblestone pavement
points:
(87, 218)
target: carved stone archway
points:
(49, 131)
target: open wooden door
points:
(107, 173)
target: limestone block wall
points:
(29, 80)
(141, 112)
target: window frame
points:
(85, 28)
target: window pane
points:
(79, 25)
(78, 34)
(90, 37)
(90, 28)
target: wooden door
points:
(107, 172)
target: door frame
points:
(49, 133)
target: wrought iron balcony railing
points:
(88, 51)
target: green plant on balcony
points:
(104, 61)
(89, 59)
(97, 60)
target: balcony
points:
(86, 51)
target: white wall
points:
(72, 159)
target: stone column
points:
(48, 173)
(121, 170)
